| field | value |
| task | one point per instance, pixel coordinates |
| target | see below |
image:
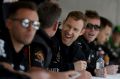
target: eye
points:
(25, 23)
(36, 25)
(75, 29)
(90, 26)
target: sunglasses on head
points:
(26, 23)
(91, 26)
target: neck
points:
(48, 32)
(100, 42)
(17, 46)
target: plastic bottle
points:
(100, 63)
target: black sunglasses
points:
(91, 26)
(26, 23)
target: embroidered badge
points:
(39, 56)
(2, 50)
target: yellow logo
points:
(39, 56)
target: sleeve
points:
(79, 55)
(75, 54)
(5, 52)
(66, 66)
(6, 74)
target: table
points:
(115, 76)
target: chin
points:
(27, 42)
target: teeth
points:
(91, 34)
(68, 36)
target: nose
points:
(70, 31)
(30, 27)
(93, 28)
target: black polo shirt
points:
(19, 61)
(68, 54)
(40, 49)
(90, 51)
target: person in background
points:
(105, 31)
(22, 23)
(102, 38)
(114, 42)
(114, 45)
(104, 34)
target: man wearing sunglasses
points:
(87, 41)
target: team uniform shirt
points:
(67, 55)
(90, 51)
(41, 52)
(18, 60)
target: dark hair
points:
(35, 1)
(15, 6)
(116, 29)
(92, 14)
(105, 22)
(48, 13)
(77, 15)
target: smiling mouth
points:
(91, 34)
(66, 36)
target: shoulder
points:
(5, 49)
(40, 52)
(2, 49)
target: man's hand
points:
(7, 66)
(63, 75)
(101, 72)
(80, 65)
(39, 73)
(112, 69)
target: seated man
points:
(22, 22)
(102, 38)
(71, 29)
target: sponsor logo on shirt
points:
(39, 57)
(2, 50)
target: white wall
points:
(107, 8)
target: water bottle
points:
(100, 63)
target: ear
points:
(8, 23)
(82, 31)
(64, 21)
(55, 25)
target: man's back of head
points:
(48, 13)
